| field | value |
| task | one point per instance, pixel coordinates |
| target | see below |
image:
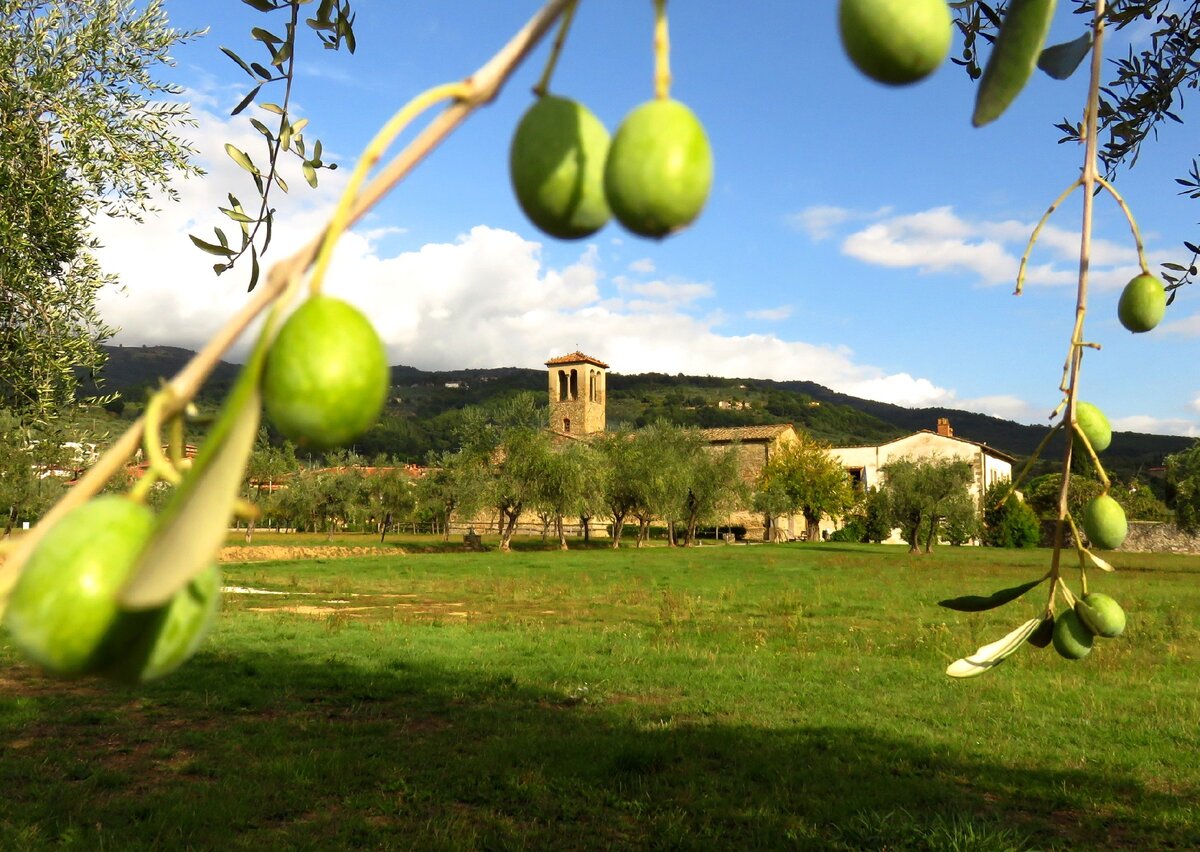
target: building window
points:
(567, 425)
(562, 385)
(574, 384)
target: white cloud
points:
(939, 240)
(1005, 406)
(484, 299)
(669, 292)
(1184, 327)
(771, 314)
(819, 221)
(1156, 425)
(644, 266)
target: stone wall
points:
(1144, 537)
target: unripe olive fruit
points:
(1095, 425)
(1104, 522)
(326, 376)
(1101, 614)
(1072, 639)
(63, 612)
(556, 164)
(895, 41)
(1143, 303)
(659, 169)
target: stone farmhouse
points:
(577, 385)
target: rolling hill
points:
(424, 408)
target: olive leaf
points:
(191, 527)
(1098, 562)
(1011, 63)
(241, 158)
(1061, 60)
(980, 603)
(993, 654)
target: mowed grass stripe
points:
(720, 697)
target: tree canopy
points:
(85, 130)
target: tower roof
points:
(576, 357)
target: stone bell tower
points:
(578, 386)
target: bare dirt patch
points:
(277, 552)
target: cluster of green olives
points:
(654, 175)
(1103, 519)
(1075, 630)
(64, 613)
(324, 382)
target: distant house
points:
(865, 464)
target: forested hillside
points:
(425, 408)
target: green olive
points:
(1143, 303)
(659, 169)
(63, 612)
(1095, 425)
(556, 164)
(326, 376)
(1101, 614)
(896, 42)
(1072, 638)
(1104, 523)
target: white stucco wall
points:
(988, 466)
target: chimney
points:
(943, 427)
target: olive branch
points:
(475, 91)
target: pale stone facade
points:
(578, 386)
(865, 463)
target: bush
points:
(1013, 524)
(855, 530)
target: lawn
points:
(717, 697)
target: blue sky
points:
(859, 236)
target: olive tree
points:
(86, 128)
(1183, 480)
(922, 493)
(802, 477)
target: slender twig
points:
(1088, 182)
(543, 84)
(483, 85)
(662, 52)
(1133, 226)
(1016, 480)
(1037, 232)
(374, 152)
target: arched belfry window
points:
(592, 385)
(574, 384)
(562, 385)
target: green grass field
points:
(719, 697)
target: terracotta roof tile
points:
(746, 433)
(576, 358)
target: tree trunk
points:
(562, 532)
(618, 526)
(249, 530)
(387, 522)
(643, 530)
(10, 521)
(933, 525)
(506, 535)
(812, 526)
(586, 522)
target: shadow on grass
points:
(272, 751)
